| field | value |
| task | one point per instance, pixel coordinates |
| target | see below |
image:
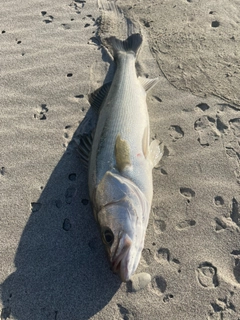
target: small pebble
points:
(140, 281)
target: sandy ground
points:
(53, 264)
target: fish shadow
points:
(61, 267)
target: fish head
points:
(123, 231)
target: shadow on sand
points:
(62, 272)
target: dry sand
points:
(53, 264)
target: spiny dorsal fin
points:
(148, 83)
(122, 153)
(96, 98)
(84, 147)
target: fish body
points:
(121, 161)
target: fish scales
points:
(121, 161)
(126, 114)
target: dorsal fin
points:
(84, 140)
(84, 147)
(96, 98)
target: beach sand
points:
(53, 264)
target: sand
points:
(53, 264)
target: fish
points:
(120, 159)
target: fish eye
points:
(108, 236)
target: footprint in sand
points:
(65, 26)
(2, 171)
(236, 266)
(163, 256)
(187, 193)
(206, 128)
(218, 201)
(222, 309)
(220, 224)
(147, 256)
(231, 220)
(163, 172)
(176, 133)
(158, 285)
(167, 297)
(67, 135)
(47, 18)
(77, 5)
(72, 176)
(66, 224)
(126, 314)
(70, 194)
(235, 126)
(35, 206)
(221, 125)
(58, 203)
(159, 224)
(203, 106)
(42, 112)
(234, 212)
(184, 224)
(207, 275)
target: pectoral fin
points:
(152, 152)
(155, 152)
(122, 153)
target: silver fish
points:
(121, 161)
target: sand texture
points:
(53, 263)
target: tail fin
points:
(131, 44)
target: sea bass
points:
(121, 161)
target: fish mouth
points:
(120, 261)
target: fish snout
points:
(121, 262)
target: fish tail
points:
(130, 45)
